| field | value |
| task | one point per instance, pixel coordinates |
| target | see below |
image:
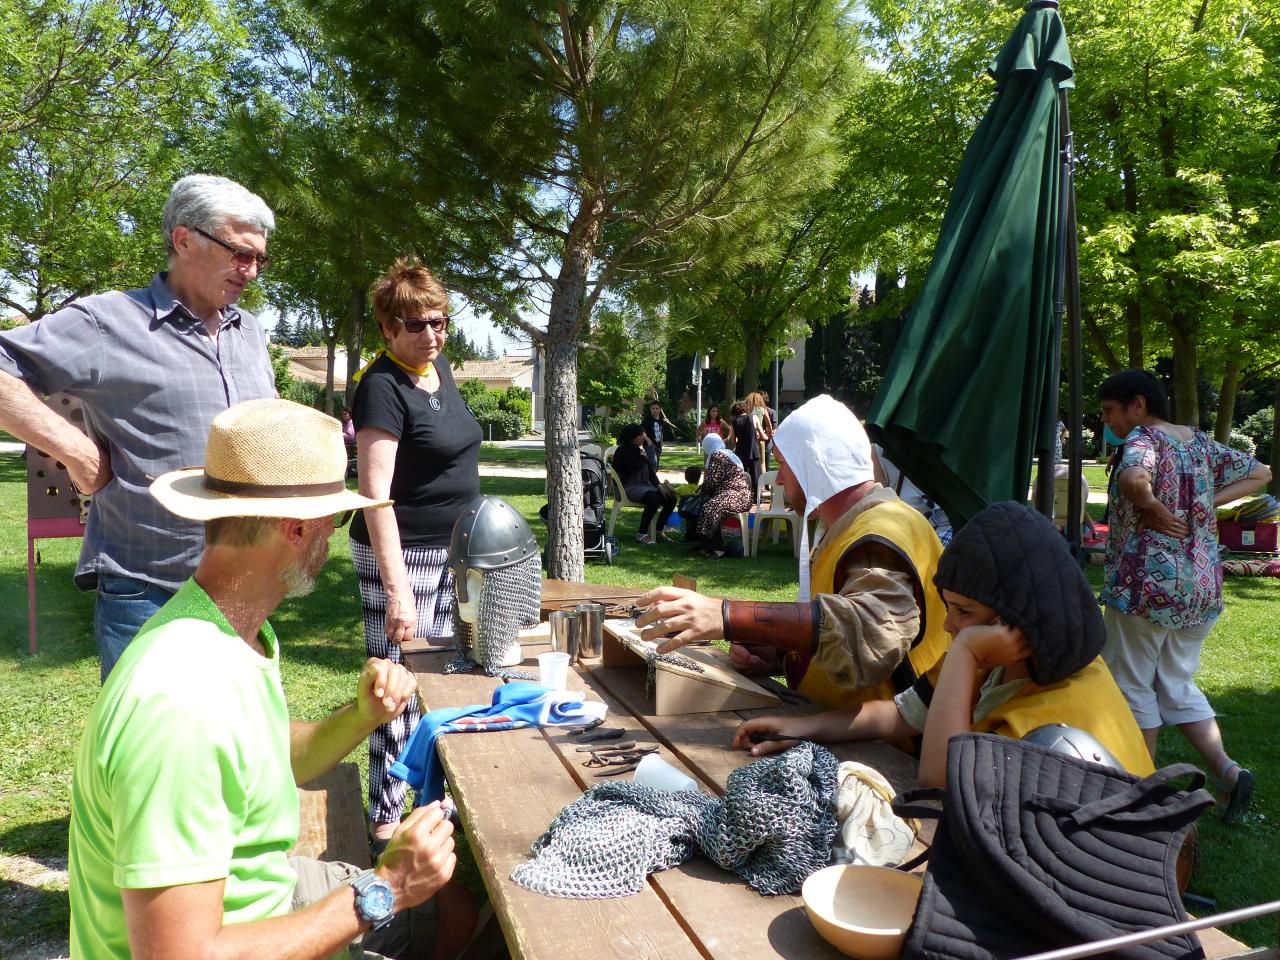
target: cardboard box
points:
(1248, 537)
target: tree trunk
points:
(560, 408)
(1186, 400)
(1132, 306)
(1227, 401)
(1133, 333)
(1274, 486)
(330, 347)
(730, 388)
(753, 340)
(355, 331)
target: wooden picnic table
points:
(509, 785)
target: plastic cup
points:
(590, 629)
(553, 669)
(657, 773)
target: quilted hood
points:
(1012, 559)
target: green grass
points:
(47, 696)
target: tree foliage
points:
(586, 140)
(103, 103)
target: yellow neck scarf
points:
(407, 368)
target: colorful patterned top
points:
(1173, 583)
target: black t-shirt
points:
(744, 438)
(437, 471)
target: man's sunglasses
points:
(342, 519)
(418, 324)
(240, 257)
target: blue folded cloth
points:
(514, 705)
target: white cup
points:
(657, 773)
(553, 669)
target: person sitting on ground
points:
(640, 481)
(184, 800)
(725, 493)
(866, 624)
(1026, 638)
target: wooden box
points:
(678, 690)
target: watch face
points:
(379, 901)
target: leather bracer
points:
(786, 626)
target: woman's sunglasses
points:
(417, 324)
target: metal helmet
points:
(489, 535)
(1074, 742)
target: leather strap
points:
(786, 626)
(274, 489)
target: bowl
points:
(862, 911)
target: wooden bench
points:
(331, 820)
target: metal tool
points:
(781, 691)
(1158, 933)
(612, 748)
(581, 728)
(633, 752)
(614, 760)
(614, 771)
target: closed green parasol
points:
(970, 396)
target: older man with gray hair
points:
(152, 367)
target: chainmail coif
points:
(509, 601)
(774, 826)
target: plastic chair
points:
(620, 500)
(777, 513)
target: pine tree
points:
(579, 147)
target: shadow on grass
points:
(44, 841)
(1237, 860)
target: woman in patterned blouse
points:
(1163, 583)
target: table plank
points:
(508, 786)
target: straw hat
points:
(265, 458)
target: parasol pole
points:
(1046, 465)
(1075, 398)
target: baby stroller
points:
(594, 542)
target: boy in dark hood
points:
(1026, 632)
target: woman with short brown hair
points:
(420, 446)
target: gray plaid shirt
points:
(152, 380)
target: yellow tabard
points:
(1088, 699)
(904, 530)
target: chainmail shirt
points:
(774, 826)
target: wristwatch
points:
(375, 901)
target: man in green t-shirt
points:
(184, 800)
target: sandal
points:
(1239, 794)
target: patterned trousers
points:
(432, 584)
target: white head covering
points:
(828, 451)
(713, 442)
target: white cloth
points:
(713, 443)
(828, 451)
(870, 832)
